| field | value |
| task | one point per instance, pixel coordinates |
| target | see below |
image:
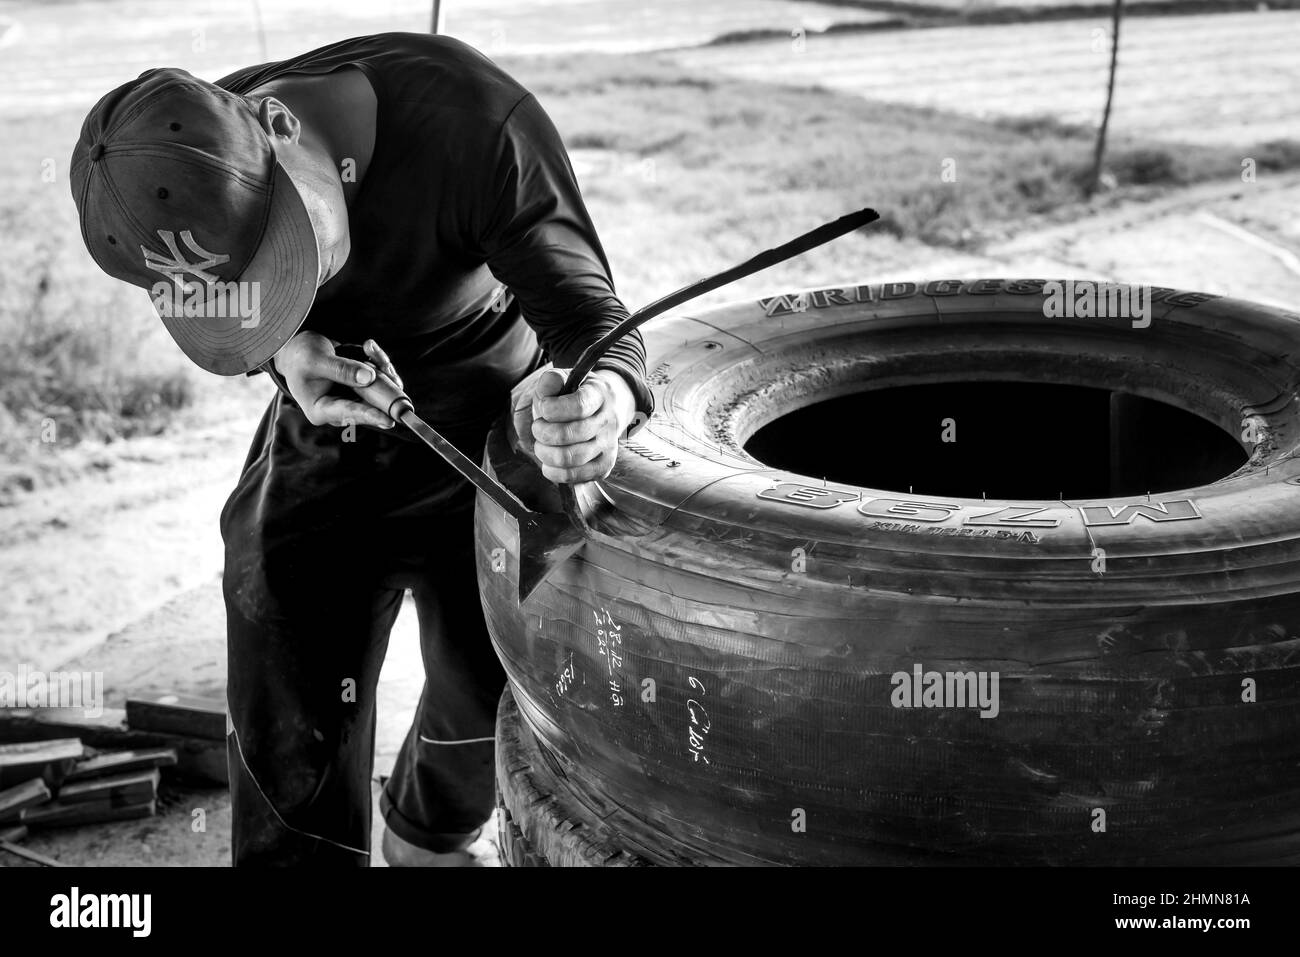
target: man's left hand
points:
(575, 437)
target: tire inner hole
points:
(1010, 440)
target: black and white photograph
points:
(749, 434)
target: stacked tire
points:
(736, 667)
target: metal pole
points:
(1116, 13)
(437, 16)
(261, 30)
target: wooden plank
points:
(13, 833)
(14, 799)
(198, 760)
(120, 762)
(29, 855)
(57, 814)
(133, 788)
(171, 713)
(49, 759)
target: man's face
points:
(317, 179)
(321, 190)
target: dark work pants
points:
(323, 535)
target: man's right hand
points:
(311, 369)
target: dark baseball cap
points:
(178, 191)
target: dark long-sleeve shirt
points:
(469, 200)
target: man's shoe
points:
(399, 852)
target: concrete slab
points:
(181, 647)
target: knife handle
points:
(383, 393)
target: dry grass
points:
(83, 356)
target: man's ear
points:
(277, 120)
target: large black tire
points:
(760, 617)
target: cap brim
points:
(244, 323)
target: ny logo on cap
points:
(176, 267)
